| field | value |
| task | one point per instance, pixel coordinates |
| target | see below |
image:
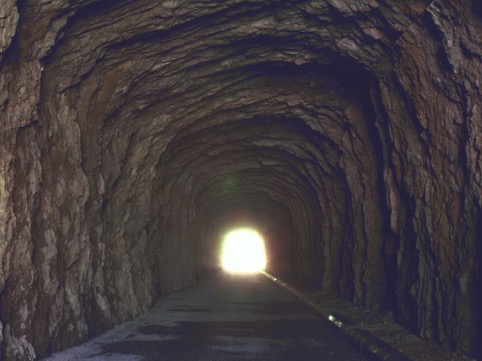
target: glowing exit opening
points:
(243, 252)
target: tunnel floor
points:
(225, 317)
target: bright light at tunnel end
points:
(243, 252)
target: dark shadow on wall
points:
(477, 341)
(477, 9)
(408, 272)
(13, 53)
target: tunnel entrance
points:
(243, 251)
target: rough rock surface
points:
(133, 133)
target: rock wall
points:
(134, 133)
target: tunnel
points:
(136, 133)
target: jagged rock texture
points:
(134, 133)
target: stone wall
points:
(133, 133)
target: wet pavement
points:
(226, 317)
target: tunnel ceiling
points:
(137, 132)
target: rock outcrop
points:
(134, 133)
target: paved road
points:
(223, 318)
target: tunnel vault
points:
(135, 133)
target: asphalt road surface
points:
(225, 317)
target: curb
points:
(368, 344)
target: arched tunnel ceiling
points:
(136, 132)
